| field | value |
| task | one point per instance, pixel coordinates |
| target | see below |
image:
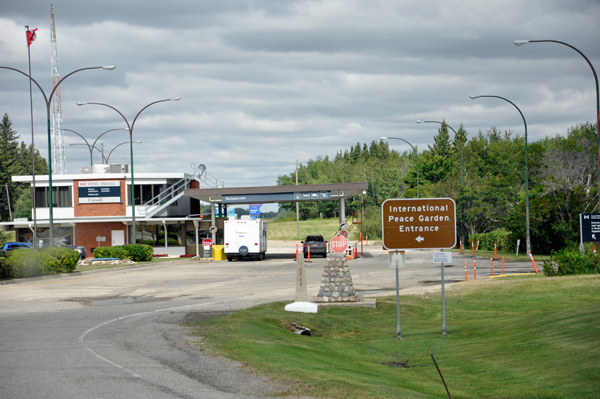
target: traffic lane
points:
(49, 355)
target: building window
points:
(149, 192)
(62, 197)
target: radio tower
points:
(58, 142)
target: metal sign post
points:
(397, 259)
(441, 257)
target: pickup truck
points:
(317, 245)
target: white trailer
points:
(245, 238)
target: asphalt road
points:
(118, 334)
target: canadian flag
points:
(30, 34)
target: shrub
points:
(570, 261)
(135, 252)
(111, 252)
(139, 252)
(67, 259)
(172, 241)
(27, 263)
(7, 269)
(487, 240)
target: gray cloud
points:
(264, 82)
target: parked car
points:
(11, 246)
(317, 245)
(80, 249)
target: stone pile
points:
(336, 281)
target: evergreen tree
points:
(441, 142)
(15, 160)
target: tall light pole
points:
(92, 146)
(48, 101)
(118, 145)
(130, 128)
(461, 145)
(519, 43)
(527, 236)
(415, 151)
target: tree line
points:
(563, 182)
(16, 160)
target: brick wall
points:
(99, 209)
(86, 233)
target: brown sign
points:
(423, 223)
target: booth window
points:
(61, 197)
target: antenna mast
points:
(58, 143)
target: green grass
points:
(287, 230)
(530, 337)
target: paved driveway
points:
(116, 333)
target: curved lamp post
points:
(118, 145)
(461, 145)
(417, 154)
(92, 146)
(522, 42)
(130, 128)
(527, 237)
(48, 101)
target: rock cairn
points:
(336, 281)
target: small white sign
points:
(344, 225)
(100, 239)
(442, 257)
(397, 259)
(213, 229)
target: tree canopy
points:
(563, 177)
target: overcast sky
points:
(265, 82)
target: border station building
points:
(94, 209)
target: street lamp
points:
(48, 101)
(461, 145)
(527, 237)
(130, 128)
(417, 154)
(92, 146)
(519, 43)
(118, 145)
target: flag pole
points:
(30, 37)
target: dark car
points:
(11, 246)
(80, 249)
(317, 245)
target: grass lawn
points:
(526, 337)
(287, 231)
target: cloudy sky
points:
(265, 82)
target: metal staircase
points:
(176, 191)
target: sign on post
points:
(442, 257)
(338, 244)
(396, 259)
(213, 229)
(207, 243)
(344, 233)
(343, 225)
(418, 223)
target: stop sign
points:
(207, 242)
(338, 244)
(344, 233)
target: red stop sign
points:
(338, 244)
(344, 233)
(207, 242)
